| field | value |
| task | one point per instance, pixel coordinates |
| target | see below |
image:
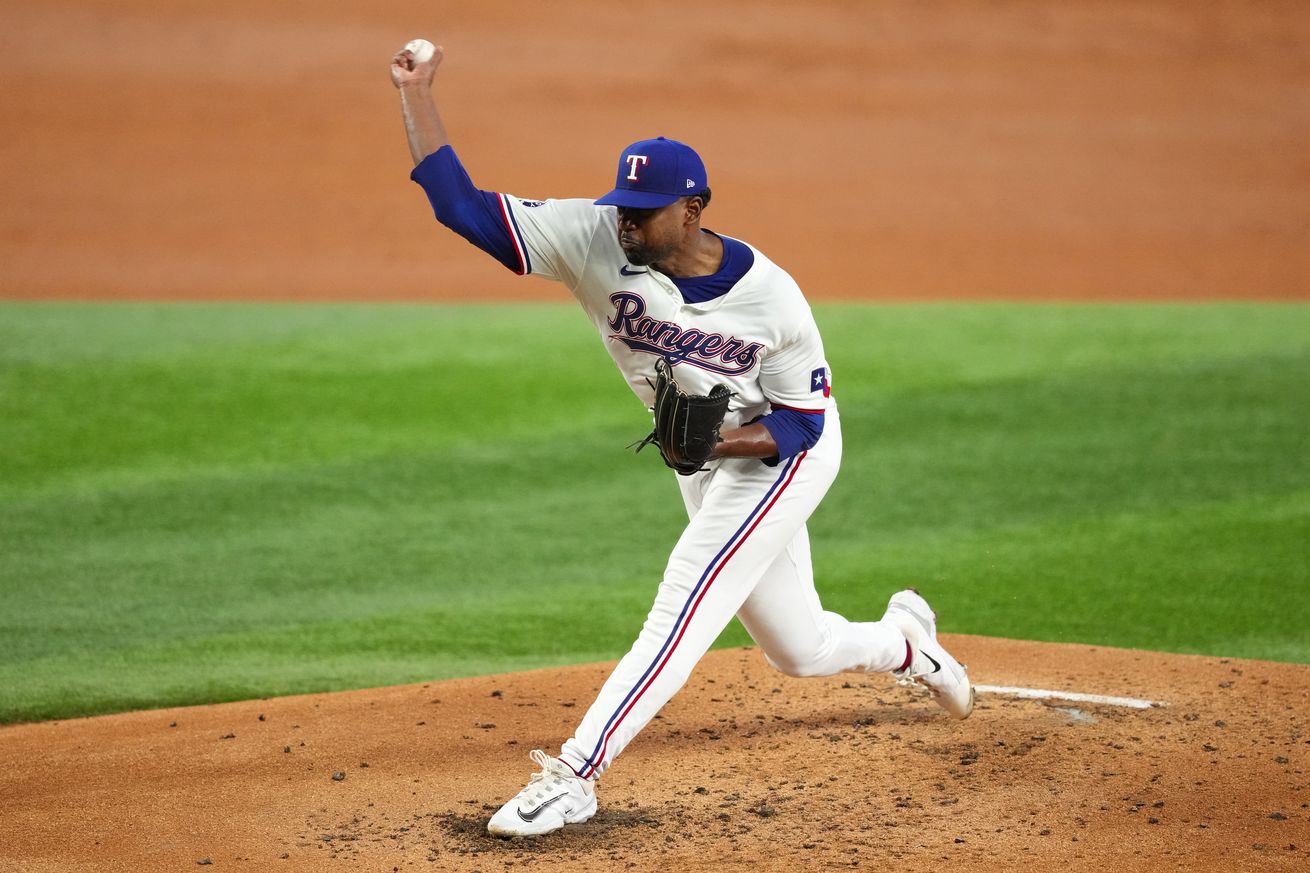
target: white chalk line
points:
(1044, 694)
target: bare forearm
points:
(413, 78)
(751, 441)
(423, 125)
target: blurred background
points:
(218, 149)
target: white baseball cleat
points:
(930, 665)
(553, 798)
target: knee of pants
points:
(798, 667)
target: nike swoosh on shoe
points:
(529, 816)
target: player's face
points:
(649, 236)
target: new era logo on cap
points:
(654, 173)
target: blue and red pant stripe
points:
(702, 587)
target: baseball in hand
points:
(422, 50)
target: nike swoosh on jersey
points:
(625, 271)
(529, 816)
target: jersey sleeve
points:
(478, 216)
(794, 379)
(795, 375)
(546, 238)
(553, 235)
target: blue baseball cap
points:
(654, 173)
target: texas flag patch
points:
(819, 381)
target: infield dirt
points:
(744, 769)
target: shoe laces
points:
(549, 780)
(909, 679)
(914, 682)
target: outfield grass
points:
(203, 503)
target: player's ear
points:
(693, 206)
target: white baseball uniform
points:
(745, 551)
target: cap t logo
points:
(633, 161)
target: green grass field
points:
(203, 503)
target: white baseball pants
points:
(745, 552)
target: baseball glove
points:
(686, 425)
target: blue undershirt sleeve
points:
(793, 431)
(473, 214)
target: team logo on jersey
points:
(819, 381)
(708, 351)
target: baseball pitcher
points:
(719, 343)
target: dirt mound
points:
(745, 769)
(225, 149)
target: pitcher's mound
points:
(746, 769)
